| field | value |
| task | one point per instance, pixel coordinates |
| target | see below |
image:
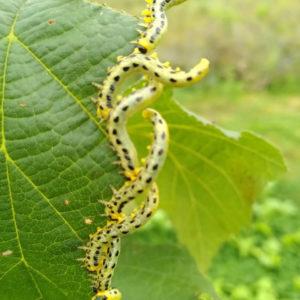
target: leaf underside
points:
(55, 162)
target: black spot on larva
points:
(124, 150)
(118, 142)
(142, 49)
(149, 214)
(108, 97)
(112, 87)
(145, 68)
(163, 135)
(113, 266)
(153, 89)
(125, 69)
(138, 99)
(156, 74)
(116, 119)
(130, 167)
(125, 231)
(155, 167)
(149, 180)
(137, 225)
(117, 78)
(147, 58)
(173, 80)
(131, 198)
(115, 132)
(135, 65)
(125, 108)
(160, 152)
(117, 253)
(140, 191)
(189, 78)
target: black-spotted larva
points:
(148, 171)
(110, 236)
(103, 249)
(150, 67)
(156, 23)
(112, 294)
(117, 131)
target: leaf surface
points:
(211, 177)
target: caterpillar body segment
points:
(151, 67)
(130, 223)
(156, 24)
(108, 240)
(102, 278)
(148, 171)
(117, 131)
(112, 294)
(96, 254)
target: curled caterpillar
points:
(112, 294)
(156, 23)
(148, 171)
(117, 131)
(108, 238)
(104, 247)
(103, 276)
(151, 67)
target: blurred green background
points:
(254, 84)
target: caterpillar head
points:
(200, 70)
(112, 294)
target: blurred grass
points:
(254, 84)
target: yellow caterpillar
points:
(117, 131)
(156, 23)
(103, 249)
(112, 294)
(151, 67)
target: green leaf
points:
(210, 179)
(55, 162)
(159, 271)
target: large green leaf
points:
(210, 179)
(55, 163)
